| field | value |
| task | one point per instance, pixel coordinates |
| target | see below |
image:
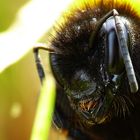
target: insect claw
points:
(115, 12)
(43, 46)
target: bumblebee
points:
(94, 55)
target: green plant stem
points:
(44, 111)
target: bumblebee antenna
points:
(125, 53)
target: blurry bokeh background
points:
(19, 87)
(19, 82)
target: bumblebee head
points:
(93, 65)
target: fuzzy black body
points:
(76, 67)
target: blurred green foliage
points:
(19, 82)
(19, 85)
(8, 12)
(19, 91)
(43, 116)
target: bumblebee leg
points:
(39, 66)
(57, 120)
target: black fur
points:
(72, 42)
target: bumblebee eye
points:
(113, 57)
(115, 40)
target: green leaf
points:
(44, 111)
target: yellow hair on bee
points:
(72, 14)
(84, 4)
